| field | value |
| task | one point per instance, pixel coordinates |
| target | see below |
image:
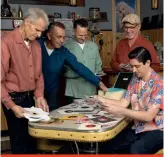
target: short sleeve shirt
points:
(144, 96)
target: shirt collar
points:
(18, 36)
(138, 39)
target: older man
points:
(145, 94)
(131, 27)
(22, 78)
(54, 59)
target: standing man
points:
(145, 94)
(88, 54)
(131, 27)
(54, 59)
(22, 79)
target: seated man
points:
(145, 93)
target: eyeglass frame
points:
(131, 28)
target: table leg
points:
(97, 148)
(90, 148)
(77, 148)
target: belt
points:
(20, 94)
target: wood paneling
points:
(154, 35)
(3, 120)
(106, 51)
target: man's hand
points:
(103, 87)
(113, 109)
(41, 103)
(18, 111)
(121, 66)
(125, 67)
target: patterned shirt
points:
(144, 96)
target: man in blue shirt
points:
(54, 58)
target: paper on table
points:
(34, 114)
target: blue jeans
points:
(21, 141)
(127, 142)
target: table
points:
(68, 130)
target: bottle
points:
(14, 13)
(69, 15)
(5, 9)
(20, 12)
(73, 15)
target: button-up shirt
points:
(144, 96)
(89, 56)
(122, 50)
(20, 67)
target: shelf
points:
(12, 18)
(100, 20)
(18, 18)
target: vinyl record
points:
(89, 126)
(68, 111)
(96, 115)
(103, 119)
(72, 117)
(84, 106)
(35, 113)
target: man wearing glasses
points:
(131, 27)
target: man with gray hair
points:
(131, 26)
(22, 79)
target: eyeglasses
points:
(131, 28)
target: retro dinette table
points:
(79, 122)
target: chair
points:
(161, 151)
(49, 146)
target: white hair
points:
(35, 13)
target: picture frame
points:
(118, 34)
(103, 15)
(123, 8)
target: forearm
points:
(5, 97)
(39, 90)
(144, 116)
(106, 101)
(98, 64)
(115, 66)
(84, 72)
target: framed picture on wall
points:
(123, 7)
